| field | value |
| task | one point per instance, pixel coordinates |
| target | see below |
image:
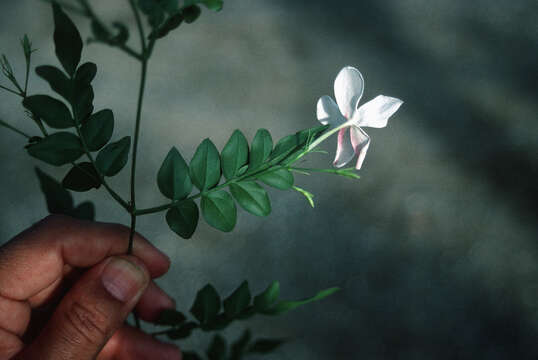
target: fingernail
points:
(123, 279)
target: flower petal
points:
(360, 142)
(348, 89)
(376, 113)
(328, 112)
(344, 150)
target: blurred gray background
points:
(435, 247)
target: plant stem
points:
(135, 146)
(12, 128)
(27, 76)
(246, 176)
(139, 26)
(329, 171)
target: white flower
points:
(352, 140)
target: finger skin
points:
(88, 315)
(34, 260)
(131, 344)
(14, 316)
(152, 302)
(10, 344)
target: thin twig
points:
(11, 91)
(13, 128)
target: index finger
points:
(36, 258)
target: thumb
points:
(91, 311)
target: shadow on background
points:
(422, 302)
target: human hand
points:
(66, 290)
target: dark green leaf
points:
(59, 200)
(239, 347)
(184, 331)
(261, 148)
(113, 157)
(242, 170)
(86, 73)
(100, 32)
(218, 209)
(82, 101)
(206, 305)
(238, 301)
(173, 176)
(170, 317)
(67, 40)
(311, 134)
(33, 140)
(97, 131)
(281, 179)
(170, 24)
(219, 323)
(148, 6)
(156, 11)
(82, 177)
(284, 147)
(56, 79)
(191, 13)
(252, 197)
(57, 149)
(85, 211)
(155, 19)
(205, 166)
(265, 346)
(217, 349)
(52, 111)
(189, 355)
(234, 155)
(266, 299)
(285, 306)
(183, 218)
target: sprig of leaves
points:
(242, 169)
(211, 313)
(218, 348)
(166, 15)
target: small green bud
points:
(308, 195)
(348, 172)
(27, 47)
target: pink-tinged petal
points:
(328, 112)
(348, 89)
(376, 113)
(344, 150)
(360, 142)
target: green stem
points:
(144, 59)
(27, 76)
(135, 148)
(139, 26)
(131, 236)
(12, 128)
(247, 176)
(329, 171)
